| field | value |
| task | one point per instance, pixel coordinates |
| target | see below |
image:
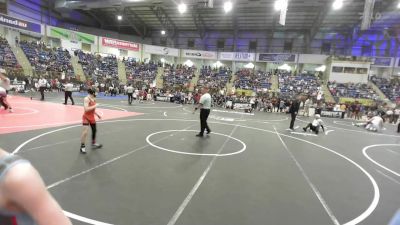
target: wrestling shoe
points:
(82, 150)
(96, 146)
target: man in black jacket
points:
(293, 110)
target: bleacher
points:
(352, 90)
(291, 86)
(214, 78)
(391, 88)
(140, 72)
(178, 76)
(7, 57)
(96, 66)
(45, 59)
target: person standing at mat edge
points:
(129, 92)
(88, 119)
(293, 110)
(205, 106)
(42, 86)
(24, 199)
(68, 87)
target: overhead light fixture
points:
(228, 6)
(119, 17)
(337, 4)
(163, 32)
(188, 63)
(182, 8)
(279, 5)
(398, 5)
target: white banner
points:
(199, 54)
(237, 56)
(159, 50)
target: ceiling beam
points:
(199, 22)
(137, 18)
(165, 20)
(323, 12)
(95, 17)
(270, 33)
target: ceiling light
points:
(279, 4)
(398, 5)
(119, 17)
(228, 6)
(337, 4)
(182, 8)
(163, 32)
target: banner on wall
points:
(159, 50)
(73, 36)
(382, 61)
(195, 54)
(114, 43)
(270, 57)
(398, 62)
(236, 56)
(20, 24)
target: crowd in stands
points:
(391, 88)
(352, 90)
(96, 66)
(43, 58)
(306, 84)
(140, 72)
(179, 75)
(214, 78)
(7, 57)
(248, 80)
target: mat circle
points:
(190, 153)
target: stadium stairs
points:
(327, 94)
(229, 85)
(195, 79)
(275, 83)
(379, 92)
(78, 70)
(160, 78)
(121, 72)
(23, 61)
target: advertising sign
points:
(237, 56)
(269, 57)
(20, 24)
(381, 61)
(159, 50)
(114, 43)
(199, 54)
(71, 35)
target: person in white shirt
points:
(42, 83)
(4, 87)
(68, 87)
(307, 105)
(375, 123)
(205, 106)
(315, 125)
(129, 92)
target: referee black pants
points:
(204, 113)
(68, 94)
(41, 89)
(130, 98)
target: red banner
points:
(114, 43)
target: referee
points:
(204, 105)
(68, 87)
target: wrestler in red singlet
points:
(88, 119)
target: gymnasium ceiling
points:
(142, 17)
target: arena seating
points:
(46, 59)
(352, 90)
(140, 72)
(7, 57)
(291, 86)
(180, 75)
(391, 88)
(214, 78)
(247, 80)
(98, 66)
